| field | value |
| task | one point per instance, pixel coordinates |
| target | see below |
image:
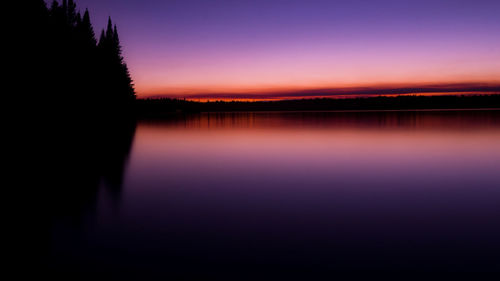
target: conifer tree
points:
(88, 30)
(119, 81)
(126, 80)
(102, 39)
(71, 13)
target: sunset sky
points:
(282, 48)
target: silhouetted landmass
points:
(68, 70)
(74, 96)
(151, 107)
(77, 94)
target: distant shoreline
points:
(152, 107)
(361, 110)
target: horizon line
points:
(339, 92)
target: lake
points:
(289, 195)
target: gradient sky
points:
(191, 47)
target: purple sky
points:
(187, 47)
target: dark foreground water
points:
(280, 196)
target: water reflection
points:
(84, 162)
(424, 119)
(241, 196)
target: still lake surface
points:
(306, 195)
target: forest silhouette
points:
(162, 107)
(69, 66)
(78, 96)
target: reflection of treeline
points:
(68, 64)
(165, 105)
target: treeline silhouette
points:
(68, 66)
(74, 97)
(158, 107)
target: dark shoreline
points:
(363, 110)
(161, 107)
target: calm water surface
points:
(267, 196)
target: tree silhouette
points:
(71, 70)
(86, 32)
(118, 83)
